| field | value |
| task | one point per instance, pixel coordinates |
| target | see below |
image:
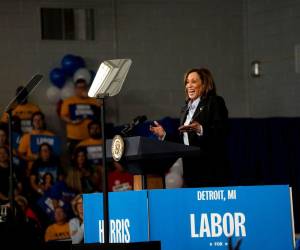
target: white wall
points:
(271, 33)
(164, 38)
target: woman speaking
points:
(204, 124)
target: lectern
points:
(143, 156)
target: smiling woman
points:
(204, 123)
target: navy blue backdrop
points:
(266, 151)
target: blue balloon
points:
(57, 77)
(70, 64)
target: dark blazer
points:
(210, 168)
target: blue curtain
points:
(265, 152)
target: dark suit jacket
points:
(210, 168)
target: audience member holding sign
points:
(204, 123)
(47, 165)
(77, 111)
(24, 110)
(93, 144)
(29, 143)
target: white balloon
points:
(173, 180)
(53, 94)
(68, 90)
(82, 73)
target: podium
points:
(147, 157)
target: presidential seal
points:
(117, 147)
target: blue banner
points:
(37, 140)
(259, 216)
(128, 214)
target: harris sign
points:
(259, 216)
(205, 218)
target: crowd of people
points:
(48, 189)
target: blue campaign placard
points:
(205, 218)
(83, 111)
(52, 140)
(128, 216)
(94, 154)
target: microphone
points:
(136, 121)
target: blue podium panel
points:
(206, 218)
(128, 217)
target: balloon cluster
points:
(72, 68)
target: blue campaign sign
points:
(37, 140)
(128, 214)
(205, 218)
(94, 154)
(82, 111)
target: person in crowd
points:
(47, 182)
(21, 231)
(76, 224)
(28, 212)
(77, 111)
(37, 188)
(3, 137)
(59, 230)
(93, 147)
(45, 170)
(25, 149)
(18, 164)
(204, 124)
(16, 135)
(4, 174)
(24, 110)
(54, 194)
(79, 177)
(119, 179)
(31, 221)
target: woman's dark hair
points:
(77, 151)
(46, 174)
(209, 87)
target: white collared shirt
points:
(191, 108)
